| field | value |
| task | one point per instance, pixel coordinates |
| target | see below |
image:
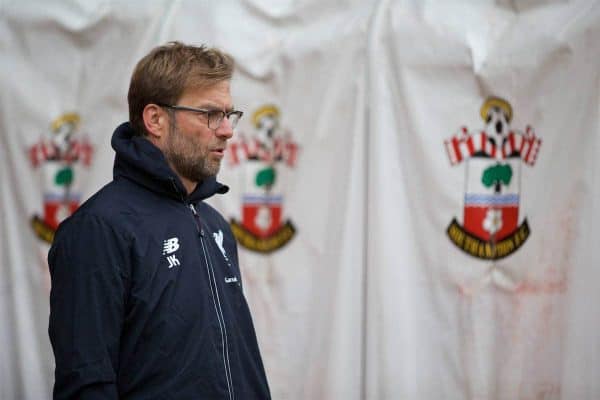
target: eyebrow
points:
(213, 106)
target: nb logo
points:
(170, 245)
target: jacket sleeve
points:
(88, 268)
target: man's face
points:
(192, 149)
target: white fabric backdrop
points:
(369, 299)
(441, 323)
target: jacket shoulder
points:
(120, 204)
(96, 216)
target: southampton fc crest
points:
(263, 154)
(56, 156)
(492, 157)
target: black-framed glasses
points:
(213, 117)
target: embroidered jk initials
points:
(173, 261)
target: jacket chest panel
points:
(182, 265)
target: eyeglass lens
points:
(216, 117)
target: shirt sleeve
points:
(88, 264)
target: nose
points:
(224, 130)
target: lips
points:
(218, 150)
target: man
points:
(146, 299)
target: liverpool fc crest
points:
(492, 157)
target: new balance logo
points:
(170, 245)
(173, 261)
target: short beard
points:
(179, 152)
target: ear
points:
(156, 121)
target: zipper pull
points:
(197, 218)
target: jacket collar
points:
(139, 160)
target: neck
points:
(187, 184)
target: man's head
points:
(165, 84)
(167, 71)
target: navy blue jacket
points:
(146, 299)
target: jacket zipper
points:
(217, 304)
